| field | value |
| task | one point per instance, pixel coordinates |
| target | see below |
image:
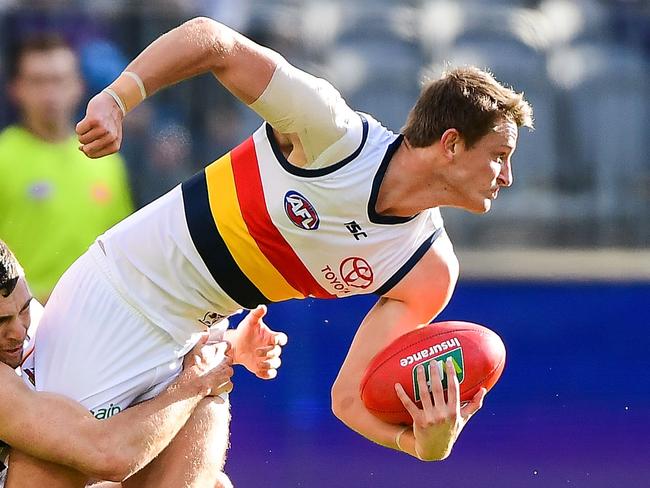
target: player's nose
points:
(16, 330)
(505, 177)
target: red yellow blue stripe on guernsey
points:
(233, 232)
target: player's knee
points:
(109, 470)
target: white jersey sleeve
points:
(297, 102)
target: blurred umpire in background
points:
(49, 191)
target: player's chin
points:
(12, 361)
(480, 206)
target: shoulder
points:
(11, 141)
(16, 138)
(11, 384)
(113, 163)
(112, 159)
(110, 167)
(438, 266)
(431, 282)
(11, 133)
(15, 399)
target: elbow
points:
(115, 468)
(108, 464)
(215, 40)
(201, 25)
(342, 403)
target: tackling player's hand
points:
(438, 423)
(100, 131)
(209, 366)
(257, 347)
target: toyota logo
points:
(356, 272)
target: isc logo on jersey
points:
(300, 211)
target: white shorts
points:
(94, 347)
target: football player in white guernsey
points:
(321, 201)
(59, 430)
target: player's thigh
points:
(195, 457)
(28, 472)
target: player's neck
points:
(414, 181)
(48, 131)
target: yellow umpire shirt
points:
(54, 201)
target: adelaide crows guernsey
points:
(252, 228)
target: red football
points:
(477, 352)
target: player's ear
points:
(450, 141)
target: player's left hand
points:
(256, 346)
(437, 425)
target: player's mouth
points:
(14, 351)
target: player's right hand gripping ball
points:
(478, 355)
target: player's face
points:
(48, 86)
(14, 322)
(486, 167)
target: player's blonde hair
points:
(467, 99)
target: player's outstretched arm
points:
(59, 430)
(419, 297)
(198, 46)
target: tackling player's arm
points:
(57, 429)
(419, 297)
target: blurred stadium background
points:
(560, 267)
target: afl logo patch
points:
(300, 211)
(356, 272)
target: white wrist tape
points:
(124, 93)
(399, 436)
(117, 99)
(139, 82)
